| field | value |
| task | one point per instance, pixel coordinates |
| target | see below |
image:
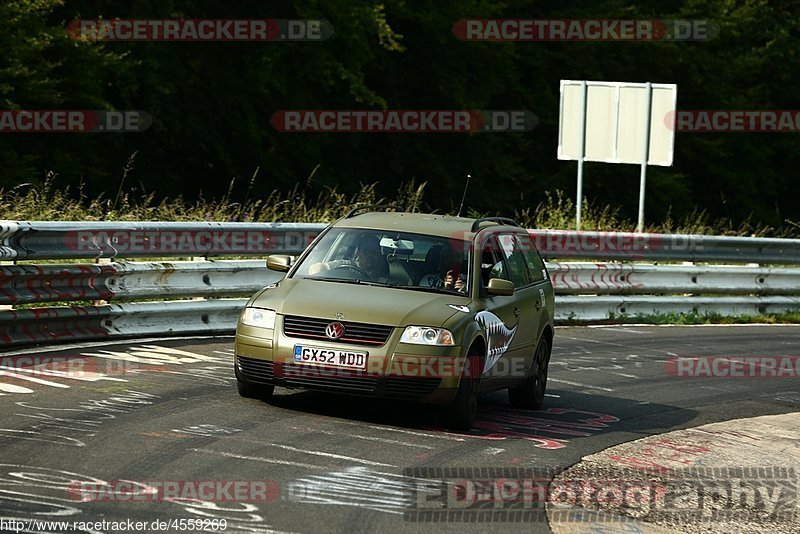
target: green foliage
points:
(211, 104)
(42, 68)
(48, 202)
(692, 318)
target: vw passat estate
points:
(433, 308)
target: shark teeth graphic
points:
(498, 337)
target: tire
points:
(461, 413)
(530, 394)
(249, 390)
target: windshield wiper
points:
(345, 281)
(428, 289)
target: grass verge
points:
(792, 317)
(46, 202)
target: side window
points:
(532, 258)
(517, 270)
(492, 264)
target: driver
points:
(367, 257)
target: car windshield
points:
(394, 259)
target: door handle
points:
(516, 311)
(538, 305)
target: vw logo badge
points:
(334, 330)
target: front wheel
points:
(530, 394)
(461, 414)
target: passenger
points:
(448, 270)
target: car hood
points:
(359, 303)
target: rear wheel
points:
(461, 414)
(250, 390)
(530, 394)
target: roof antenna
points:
(461, 207)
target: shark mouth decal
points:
(498, 337)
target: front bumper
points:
(394, 370)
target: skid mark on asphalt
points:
(156, 355)
(13, 388)
(626, 346)
(791, 396)
(207, 430)
(263, 459)
(362, 488)
(578, 384)
(21, 375)
(323, 454)
(360, 436)
(612, 365)
(624, 330)
(218, 376)
(21, 378)
(30, 492)
(549, 429)
(70, 426)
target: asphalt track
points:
(88, 440)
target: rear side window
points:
(533, 260)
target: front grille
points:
(335, 380)
(299, 376)
(259, 371)
(354, 333)
(411, 387)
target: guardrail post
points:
(7, 306)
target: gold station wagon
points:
(433, 308)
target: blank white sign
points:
(615, 122)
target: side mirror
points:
(498, 286)
(279, 262)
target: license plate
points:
(330, 357)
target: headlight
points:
(260, 317)
(424, 335)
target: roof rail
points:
(353, 212)
(499, 220)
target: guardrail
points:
(70, 240)
(572, 278)
(584, 290)
(28, 284)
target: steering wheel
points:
(354, 269)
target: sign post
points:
(617, 122)
(581, 155)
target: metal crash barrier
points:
(205, 294)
